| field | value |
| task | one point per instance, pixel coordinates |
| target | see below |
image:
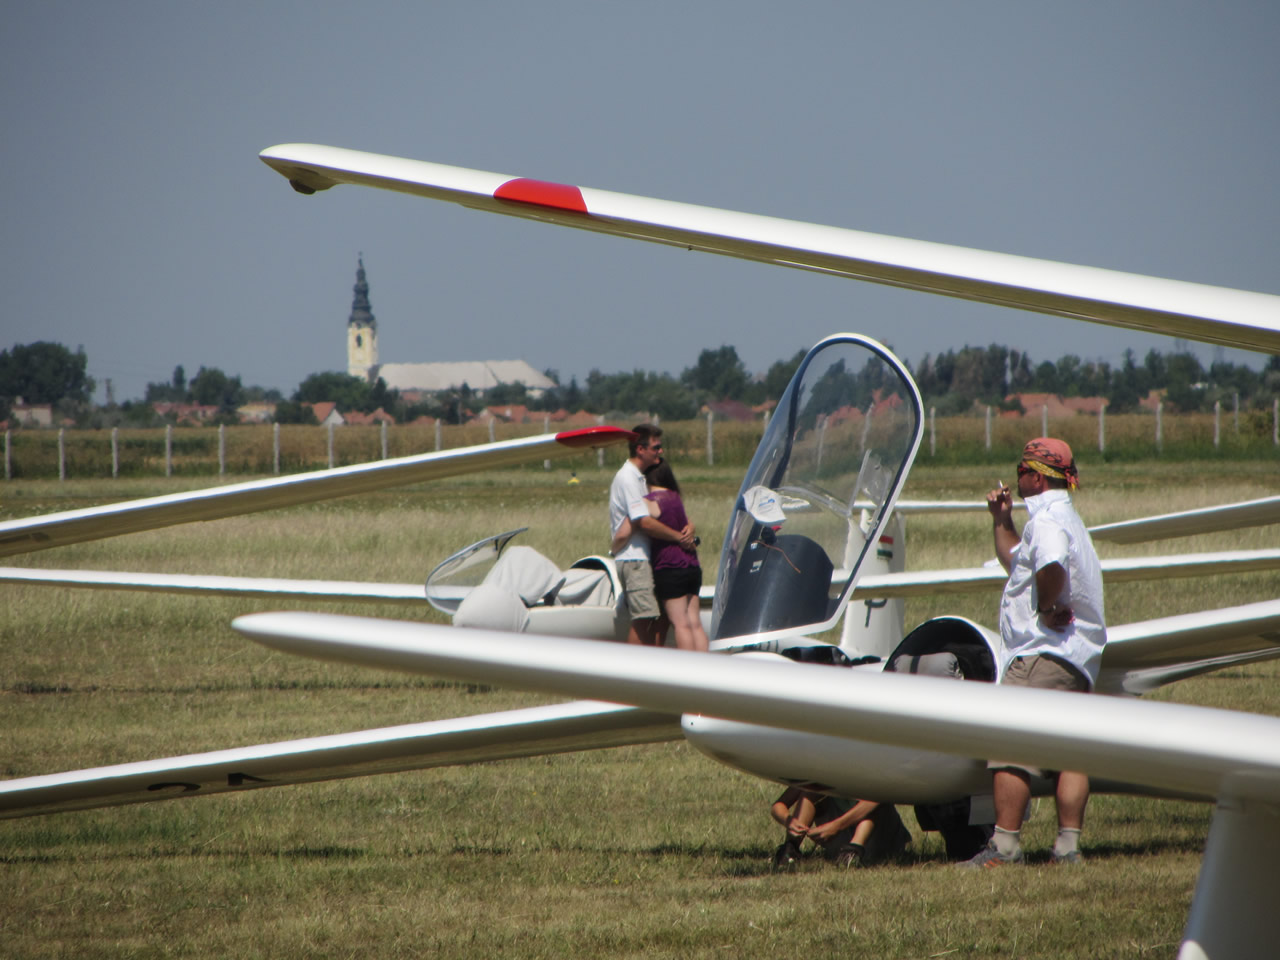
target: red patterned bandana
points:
(1052, 458)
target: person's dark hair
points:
(643, 434)
(1057, 483)
(661, 475)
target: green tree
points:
(780, 373)
(44, 372)
(718, 375)
(291, 411)
(175, 391)
(210, 387)
(348, 392)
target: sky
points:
(137, 221)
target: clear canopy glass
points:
(822, 482)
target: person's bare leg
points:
(862, 832)
(1072, 796)
(700, 639)
(679, 622)
(1012, 790)
(658, 632)
(641, 631)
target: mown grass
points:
(651, 851)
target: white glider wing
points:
(1186, 523)
(922, 583)
(1174, 308)
(93, 523)
(199, 585)
(1183, 749)
(1142, 656)
(912, 583)
(559, 728)
(1170, 746)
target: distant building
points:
(1055, 405)
(479, 375)
(256, 412)
(30, 414)
(326, 412)
(188, 414)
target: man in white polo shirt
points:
(627, 504)
(1053, 628)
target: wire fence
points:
(264, 449)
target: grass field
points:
(644, 851)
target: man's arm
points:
(859, 811)
(1053, 604)
(1005, 534)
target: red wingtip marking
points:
(561, 196)
(593, 436)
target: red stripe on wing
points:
(561, 196)
(593, 436)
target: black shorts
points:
(671, 583)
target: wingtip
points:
(593, 437)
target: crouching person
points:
(850, 833)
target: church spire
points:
(361, 314)
(362, 330)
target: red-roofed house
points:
(368, 419)
(326, 412)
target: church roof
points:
(361, 311)
(477, 374)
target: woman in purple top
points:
(677, 576)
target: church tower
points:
(362, 329)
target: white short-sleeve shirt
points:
(1055, 534)
(626, 499)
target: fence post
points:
(492, 420)
(1217, 422)
(275, 448)
(600, 450)
(1102, 428)
(988, 428)
(8, 463)
(765, 427)
(1275, 430)
(115, 452)
(62, 453)
(384, 439)
(168, 449)
(1159, 426)
(330, 444)
(1044, 420)
(439, 436)
(546, 428)
(1236, 425)
(933, 431)
(222, 449)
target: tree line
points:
(952, 382)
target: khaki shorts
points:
(1043, 672)
(637, 586)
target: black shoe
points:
(786, 857)
(847, 855)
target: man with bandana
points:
(1053, 629)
